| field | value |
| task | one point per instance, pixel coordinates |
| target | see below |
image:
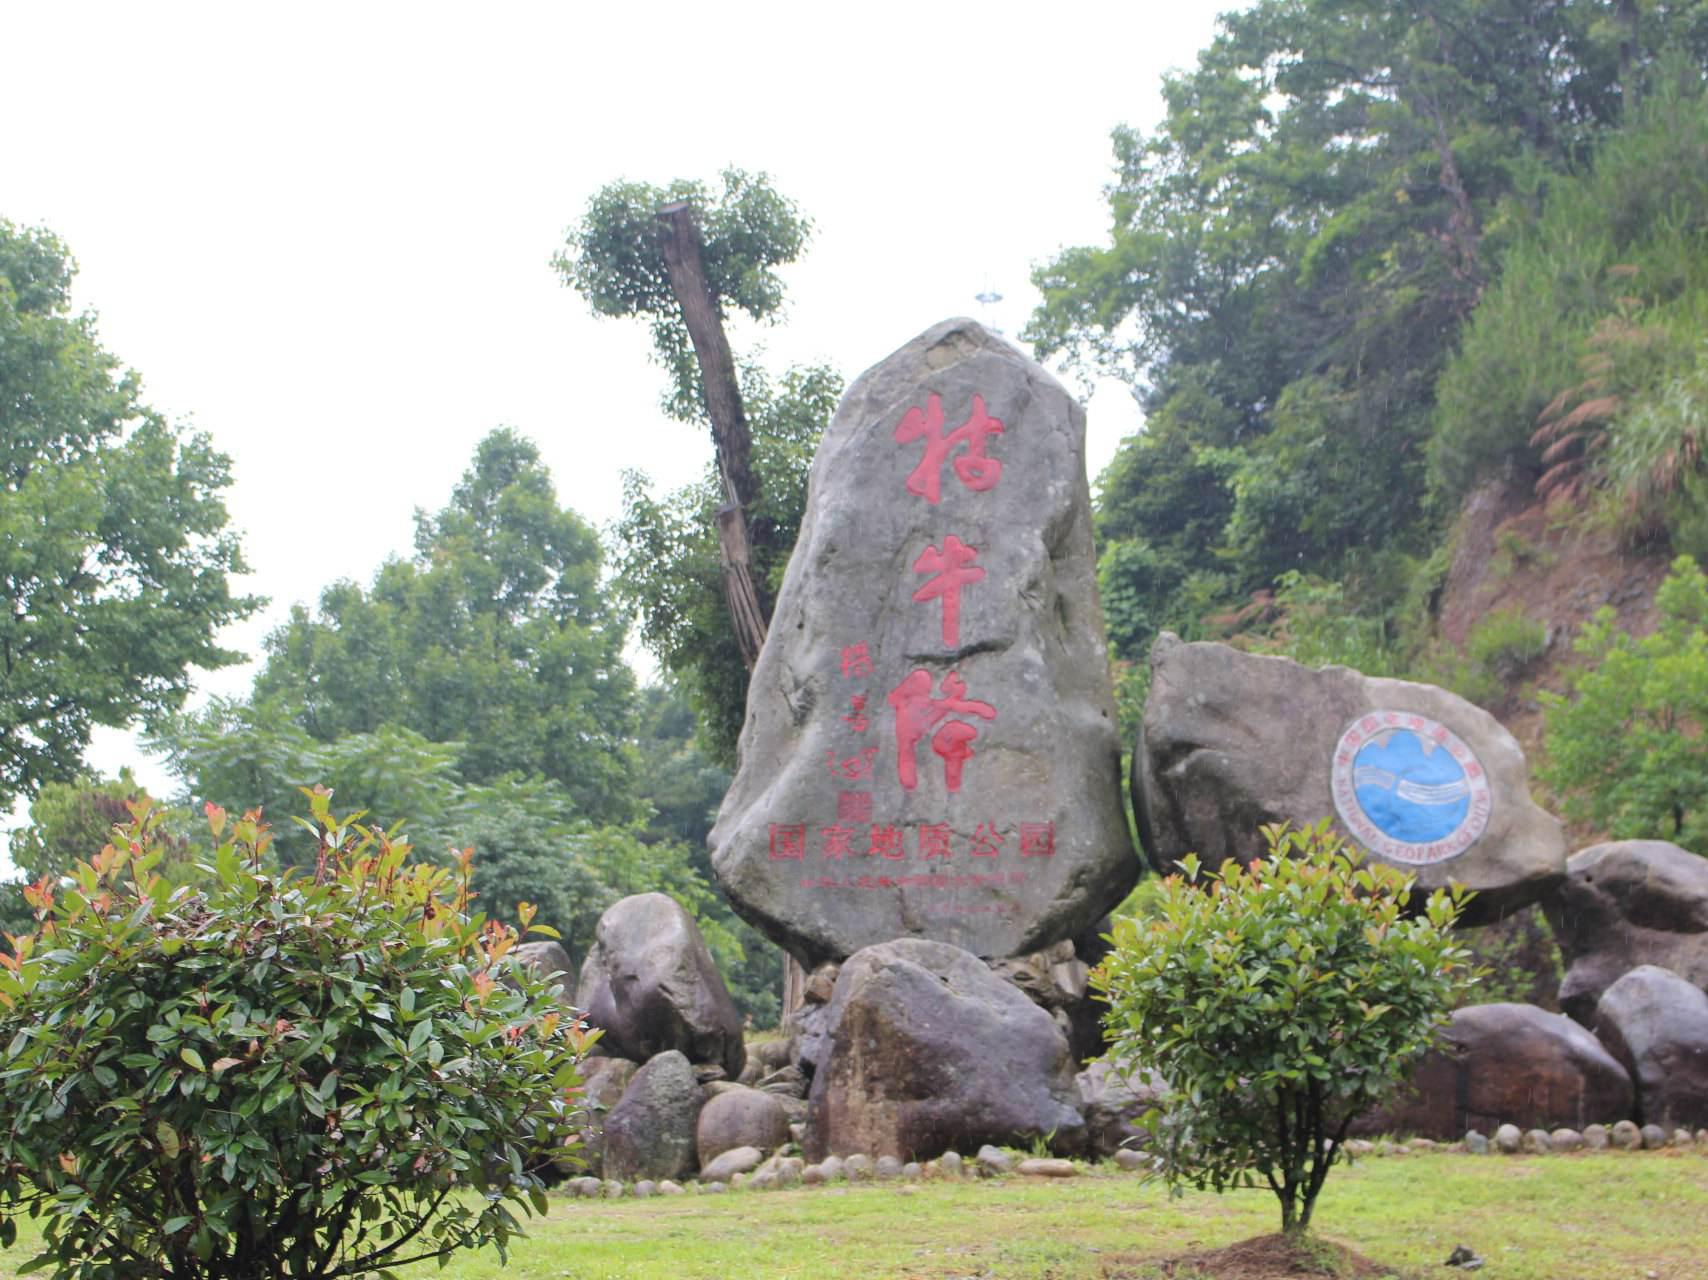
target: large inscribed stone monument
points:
(930, 746)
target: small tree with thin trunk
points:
(1279, 1001)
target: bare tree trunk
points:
(733, 443)
(1626, 15)
(731, 439)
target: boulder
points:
(1656, 1024)
(1507, 1063)
(1628, 903)
(604, 1081)
(650, 1133)
(726, 1164)
(930, 747)
(1414, 775)
(1114, 1099)
(1056, 979)
(929, 1051)
(649, 983)
(740, 1117)
(550, 961)
(1627, 1136)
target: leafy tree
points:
(69, 821)
(533, 843)
(614, 260)
(274, 1076)
(667, 561)
(495, 636)
(1293, 253)
(114, 553)
(1279, 1001)
(669, 566)
(1623, 747)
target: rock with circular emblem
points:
(1413, 775)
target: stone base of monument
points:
(1628, 903)
(1656, 1024)
(923, 1050)
(1512, 1064)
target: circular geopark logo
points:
(1409, 789)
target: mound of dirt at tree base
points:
(1272, 1257)
(1555, 566)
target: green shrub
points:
(1505, 643)
(1279, 1001)
(1624, 747)
(261, 1076)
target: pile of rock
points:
(1623, 1135)
(662, 1095)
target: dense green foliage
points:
(476, 696)
(495, 635)
(1603, 298)
(1295, 252)
(271, 1076)
(69, 821)
(114, 553)
(1625, 747)
(1279, 1001)
(668, 567)
(533, 843)
(614, 260)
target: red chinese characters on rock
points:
(856, 661)
(917, 711)
(975, 469)
(852, 768)
(954, 569)
(788, 841)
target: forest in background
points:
(1376, 258)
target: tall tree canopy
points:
(668, 557)
(114, 551)
(493, 635)
(1293, 253)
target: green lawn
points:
(1609, 1216)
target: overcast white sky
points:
(322, 231)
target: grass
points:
(1607, 1216)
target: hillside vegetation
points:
(1415, 299)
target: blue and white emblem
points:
(1408, 789)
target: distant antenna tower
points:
(988, 298)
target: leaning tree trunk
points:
(733, 444)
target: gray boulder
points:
(1056, 979)
(929, 1052)
(726, 1164)
(930, 747)
(604, 1081)
(741, 1117)
(550, 961)
(650, 1133)
(649, 983)
(1512, 1063)
(1416, 776)
(1656, 1024)
(1114, 1099)
(1628, 903)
